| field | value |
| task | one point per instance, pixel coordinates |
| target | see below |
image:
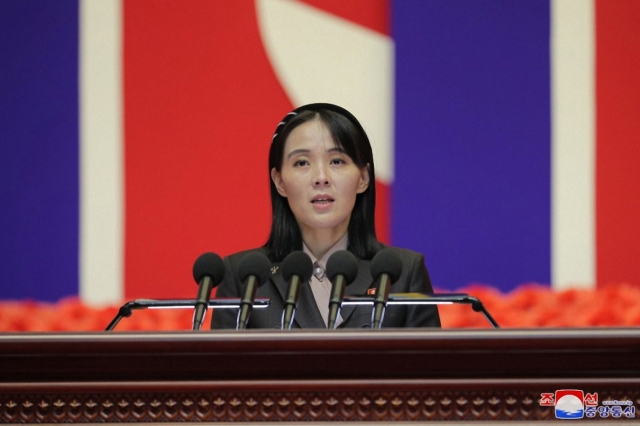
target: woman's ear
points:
(276, 177)
(364, 179)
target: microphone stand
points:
(127, 309)
(426, 299)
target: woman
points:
(323, 200)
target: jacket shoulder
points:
(405, 255)
(236, 257)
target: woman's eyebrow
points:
(306, 151)
(298, 151)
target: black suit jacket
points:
(414, 278)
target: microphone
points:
(387, 267)
(254, 271)
(208, 271)
(296, 269)
(342, 269)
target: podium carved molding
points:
(279, 406)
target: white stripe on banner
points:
(573, 144)
(101, 160)
(319, 57)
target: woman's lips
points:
(321, 200)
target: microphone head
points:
(255, 263)
(342, 262)
(208, 264)
(386, 262)
(297, 263)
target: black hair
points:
(348, 134)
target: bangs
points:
(344, 135)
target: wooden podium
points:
(369, 375)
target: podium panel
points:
(372, 375)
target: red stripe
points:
(618, 141)
(201, 104)
(383, 212)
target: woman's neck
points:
(319, 241)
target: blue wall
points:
(39, 149)
(473, 139)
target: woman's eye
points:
(300, 163)
(338, 161)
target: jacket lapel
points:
(278, 281)
(308, 315)
(357, 288)
(307, 312)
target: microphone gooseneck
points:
(342, 270)
(254, 271)
(296, 270)
(386, 268)
(208, 271)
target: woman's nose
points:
(321, 177)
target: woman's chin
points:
(326, 222)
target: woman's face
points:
(319, 180)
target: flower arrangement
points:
(529, 305)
